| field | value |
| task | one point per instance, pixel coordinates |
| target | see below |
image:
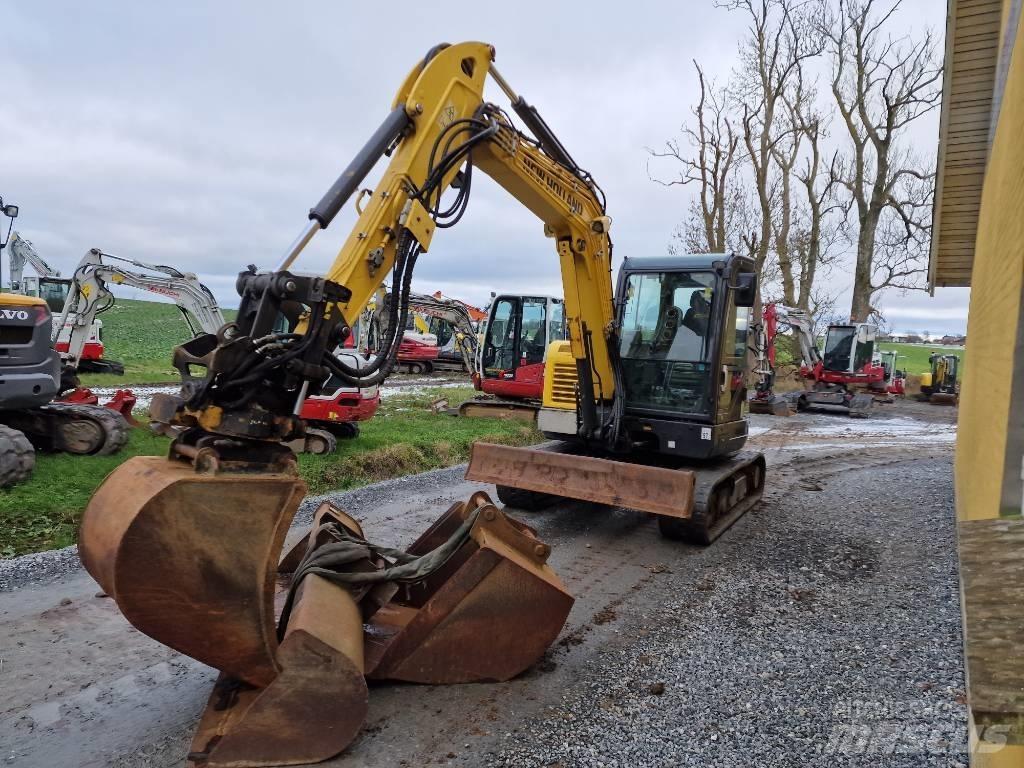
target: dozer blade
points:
(696, 505)
(943, 398)
(193, 560)
(499, 409)
(776, 406)
(604, 481)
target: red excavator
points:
(510, 368)
(846, 376)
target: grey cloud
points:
(199, 134)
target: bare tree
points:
(711, 166)
(881, 85)
(824, 227)
(781, 36)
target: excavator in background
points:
(846, 376)
(88, 295)
(452, 324)
(48, 285)
(510, 366)
(421, 349)
(939, 385)
(31, 418)
(454, 338)
(646, 396)
(332, 414)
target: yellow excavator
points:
(646, 397)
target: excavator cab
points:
(682, 341)
(52, 290)
(519, 331)
(849, 348)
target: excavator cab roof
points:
(683, 263)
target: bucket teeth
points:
(193, 560)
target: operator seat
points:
(696, 318)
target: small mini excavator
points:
(645, 398)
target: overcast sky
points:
(199, 134)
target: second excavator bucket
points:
(193, 560)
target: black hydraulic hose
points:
(381, 368)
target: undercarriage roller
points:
(193, 559)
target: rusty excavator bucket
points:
(193, 560)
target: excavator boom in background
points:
(647, 392)
(451, 314)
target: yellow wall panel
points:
(997, 285)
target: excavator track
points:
(497, 408)
(91, 430)
(17, 457)
(101, 366)
(724, 493)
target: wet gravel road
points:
(823, 629)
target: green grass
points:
(404, 437)
(142, 335)
(913, 358)
(43, 513)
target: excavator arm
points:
(22, 252)
(439, 131)
(89, 295)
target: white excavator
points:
(48, 285)
(89, 295)
(847, 377)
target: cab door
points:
(515, 346)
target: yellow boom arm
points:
(447, 88)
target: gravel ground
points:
(825, 635)
(823, 629)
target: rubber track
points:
(17, 457)
(115, 428)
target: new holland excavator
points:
(647, 396)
